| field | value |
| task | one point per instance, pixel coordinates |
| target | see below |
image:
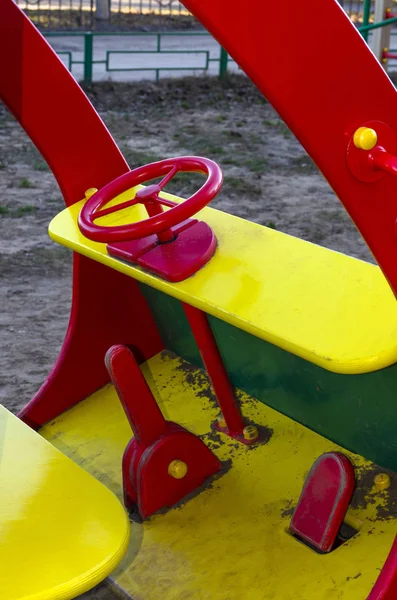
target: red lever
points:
(143, 413)
(163, 462)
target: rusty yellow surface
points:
(61, 531)
(330, 309)
(230, 541)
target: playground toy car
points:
(232, 386)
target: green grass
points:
(40, 165)
(21, 211)
(271, 225)
(137, 158)
(241, 186)
(25, 183)
(256, 165)
(17, 212)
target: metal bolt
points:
(90, 192)
(177, 469)
(250, 432)
(382, 481)
(365, 138)
(222, 422)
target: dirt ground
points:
(269, 179)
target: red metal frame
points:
(386, 586)
(320, 95)
(213, 362)
(107, 306)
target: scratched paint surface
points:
(230, 541)
(328, 308)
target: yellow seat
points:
(61, 531)
(328, 308)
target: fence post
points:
(381, 36)
(223, 63)
(102, 10)
(88, 43)
(366, 15)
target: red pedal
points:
(324, 501)
(163, 462)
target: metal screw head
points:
(382, 481)
(221, 422)
(177, 469)
(90, 192)
(365, 138)
(250, 432)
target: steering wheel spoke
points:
(168, 177)
(112, 209)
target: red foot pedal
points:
(324, 501)
(163, 462)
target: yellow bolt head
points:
(177, 469)
(382, 481)
(90, 192)
(250, 432)
(365, 138)
(222, 422)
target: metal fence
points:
(81, 14)
(139, 55)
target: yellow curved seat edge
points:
(61, 531)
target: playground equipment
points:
(257, 477)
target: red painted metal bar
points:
(107, 307)
(143, 413)
(154, 208)
(392, 55)
(384, 160)
(323, 96)
(216, 369)
(385, 587)
(53, 109)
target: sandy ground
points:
(268, 179)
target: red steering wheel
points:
(158, 221)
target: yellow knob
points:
(250, 432)
(222, 422)
(90, 192)
(382, 481)
(177, 469)
(365, 138)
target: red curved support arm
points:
(107, 307)
(318, 73)
(53, 109)
(385, 587)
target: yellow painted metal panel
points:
(61, 531)
(333, 310)
(229, 541)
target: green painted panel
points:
(358, 412)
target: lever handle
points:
(142, 411)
